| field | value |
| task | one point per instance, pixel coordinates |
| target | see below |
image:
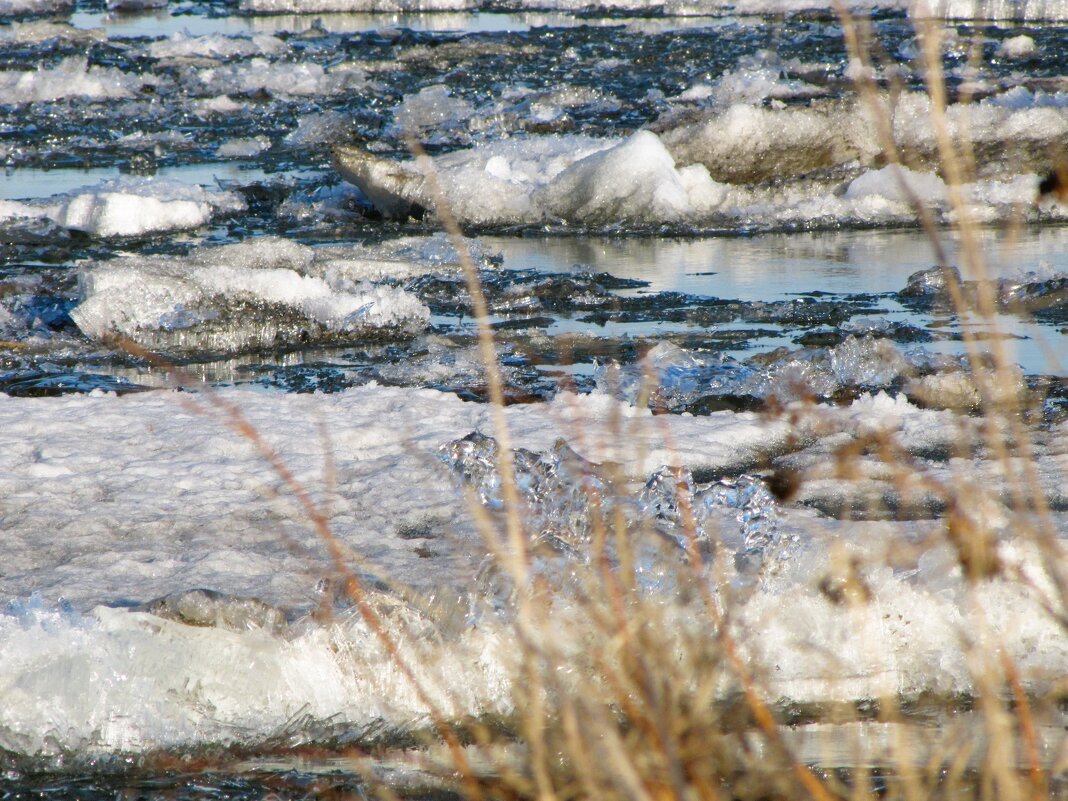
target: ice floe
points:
(577, 179)
(637, 182)
(27, 7)
(70, 78)
(261, 294)
(128, 207)
(183, 45)
(280, 78)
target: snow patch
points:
(130, 207)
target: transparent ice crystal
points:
(704, 515)
(565, 497)
(557, 489)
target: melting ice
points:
(120, 679)
(159, 589)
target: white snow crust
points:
(733, 159)
(72, 77)
(1034, 10)
(281, 78)
(130, 207)
(120, 500)
(572, 178)
(25, 7)
(1022, 46)
(637, 182)
(183, 45)
(135, 5)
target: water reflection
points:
(780, 266)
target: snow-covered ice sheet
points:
(183, 45)
(714, 173)
(138, 529)
(72, 77)
(28, 7)
(282, 78)
(161, 499)
(118, 501)
(265, 293)
(571, 178)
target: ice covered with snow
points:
(753, 81)
(490, 184)
(162, 587)
(635, 181)
(743, 143)
(646, 180)
(321, 128)
(123, 681)
(734, 161)
(14, 8)
(114, 502)
(281, 78)
(35, 31)
(1022, 46)
(243, 148)
(431, 108)
(190, 495)
(217, 106)
(574, 178)
(991, 9)
(135, 5)
(129, 207)
(897, 184)
(264, 293)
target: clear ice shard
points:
(558, 489)
(704, 515)
(566, 498)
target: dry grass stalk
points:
(636, 716)
(233, 417)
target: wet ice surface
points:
(668, 215)
(223, 129)
(149, 497)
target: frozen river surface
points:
(712, 302)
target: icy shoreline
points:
(118, 501)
